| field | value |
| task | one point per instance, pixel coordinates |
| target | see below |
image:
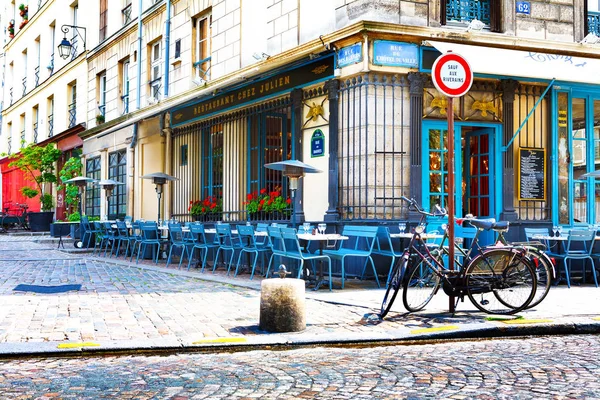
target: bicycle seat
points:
(489, 223)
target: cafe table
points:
(328, 240)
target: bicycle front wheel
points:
(393, 287)
(421, 285)
(544, 272)
(500, 282)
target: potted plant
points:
(23, 10)
(11, 28)
(72, 168)
(100, 119)
(267, 205)
(23, 23)
(38, 162)
(209, 209)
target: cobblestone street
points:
(530, 368)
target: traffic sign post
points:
(452, 76)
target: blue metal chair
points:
(98, 227)
(177, 240)
(123, 236)
(136, 235)
(110, 236)
(150, 237)
(199, 242)
(89, 231)
(579, 247)
(249, 245)
(227, 242)
(385, 247)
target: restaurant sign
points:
(314, 71)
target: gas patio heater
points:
(159, 179)
(108, 185)
(294, 170)
(81, 183)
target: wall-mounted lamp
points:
(65, 47)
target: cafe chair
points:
(177, 240)
(227, 242)
(123, 236)
(384, 247)
(99, 229)
(110, 237)
(250, 246)
(198, 236)
(150, 237)
(89, 231)
(579, 247)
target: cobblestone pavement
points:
(530, 368)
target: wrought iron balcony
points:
(72, 114)
(9, 139)
(24, 86)
(51, 65)
(125, 104)
(126, 14)
(36, 73)
(468, 10)
(593, 22)
(102, 109)
(10, 95)
(23, 138)
(50, 125)
(35, 132)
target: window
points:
(126, 12)
(50, 108)
(52, 34)
(103, 19)
(72, 90)
(592, 13)
(101, 93)
(202, 58)
(124, 85)
(35, 118)
(461, 12)
(22, 137)
(117, 168)
(9, 138)
(178, 48)
(24, 72)
(36, 71)
(212, 161)
(183, 155)
(92, 194)
(155, 68)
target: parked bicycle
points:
(497, 280)
(14, 217)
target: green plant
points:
(267, 201)
(100, 119)
(22, 7)
(209, 205)
(38, 162)
(74, 217)
(72, 168)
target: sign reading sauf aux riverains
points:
(317, 70)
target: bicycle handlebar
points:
(412, 203)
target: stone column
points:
(333, 87)
(296, 96)
(417, 82)
(509, 88)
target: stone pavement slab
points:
(123, 306)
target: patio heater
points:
(293, 170)
(108, 185)
(159, 179)
(81, 182)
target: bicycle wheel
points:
(543, 274)
(500, 282)
(421, 285)
(394, 286)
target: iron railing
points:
(51, 65)
(36, 73)
(468, 10)
(125, 100)
(35, 132)
(24, 86)
(9, 139)
(50, 125)
(230, 152)
(593, 22)
(23, 138)
(72, 114)
(374, 163)
(102, 109)
(10, 95)
(126, 12)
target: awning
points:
(525, 64)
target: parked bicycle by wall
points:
(497, 280)
(14, 216)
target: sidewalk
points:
(122, 306)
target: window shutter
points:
(495, 16)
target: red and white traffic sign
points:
(452, 75)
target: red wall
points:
(13, 180)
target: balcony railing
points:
(125, 104)
(468, 10)
(50, 125)
(10, 95)
(9, 139)
(35, 132)
(51, 65)
(36, 73)
(23, 138)
(102, 109)
(593, 21)
(126, 14)
(72, 114)
(24, 86)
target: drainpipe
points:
(138, 100)
(167, 45)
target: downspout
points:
(138, 102)
(167, 46)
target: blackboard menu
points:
(532, 174)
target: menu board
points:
(532, 174)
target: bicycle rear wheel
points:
(394, 286)
(500, 281)
(421, 285)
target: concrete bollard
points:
(282, 305)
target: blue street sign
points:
(349, 55)
(523, 7)
(395, 54)
(317, 144)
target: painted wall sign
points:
(350, 55)
(317, 144)
(523, 7)
(532, 174)
(314, 71)
(395, 54)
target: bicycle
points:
(497, 280)
(13, 218)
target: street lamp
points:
(294, 170)
(81, 182)
(108, 185)
(65, 47)
(159, 179)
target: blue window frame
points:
(212, 161)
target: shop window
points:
(117, 169)
(92, 193)
(462, 12)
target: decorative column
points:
(509, 88)
(417, 82)
(296, 96)
(333, 87)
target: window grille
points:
(117, 168)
